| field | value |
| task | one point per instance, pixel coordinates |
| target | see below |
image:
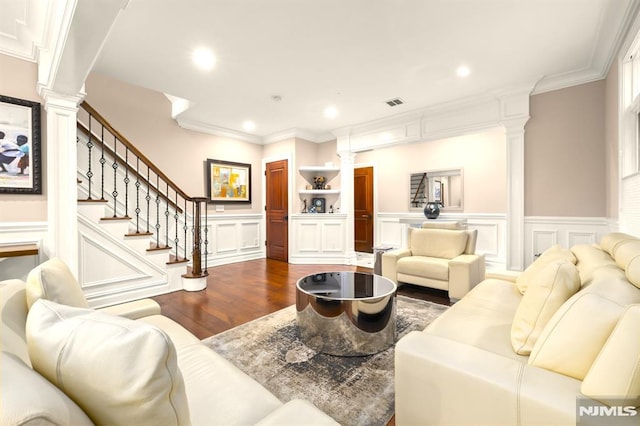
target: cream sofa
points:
(525, 349)
(443, 259)
(65, 364)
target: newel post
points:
(196, 280)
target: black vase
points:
(432, 210)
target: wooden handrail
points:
(131, 169)
(95, 114)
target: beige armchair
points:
(443, 259)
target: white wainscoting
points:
(235, 238)
(491, 233)
(22, 233)
(318, 239)
(544, 232)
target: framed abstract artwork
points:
(228, 182)
(20, 147)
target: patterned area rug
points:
(352, 390)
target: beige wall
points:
(18, 79)
(611, 140)
(565, 168)
(481, 156)
(144, 118)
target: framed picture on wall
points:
(228, 182)
(20, 163)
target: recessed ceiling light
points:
(203, 58)
(463, 71)
(330, 112)
(249, 126)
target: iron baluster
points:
(126, 183)
(89, 173)
(166, 218)
(176, 216)
(115, 175)
(185, 227)
(157, 211)
(148, 198)
(137, 195)
(102, 162)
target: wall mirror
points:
(443, 186)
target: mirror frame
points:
(433, 174)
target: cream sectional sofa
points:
(526, 349)
(65, 364)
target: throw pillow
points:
(52, 280)
(576, 333)
(119, 371)
(615, 371)
(556, 252)
(28, 398)
(553, 285)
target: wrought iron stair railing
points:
(136, 190)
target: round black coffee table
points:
(346, 313)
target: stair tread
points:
(116, 218)
(139, 234)
(92, 200)
(159, 248)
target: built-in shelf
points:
(319, 191)
(315, 169)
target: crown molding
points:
(199, 126)
(298, 133)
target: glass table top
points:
(346, 285)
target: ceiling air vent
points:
(394, 102)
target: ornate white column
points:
(61, 168)
(515, 193)
(346, 202)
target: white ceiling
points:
(352, 54)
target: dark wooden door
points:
(277, 210)
(363, 209)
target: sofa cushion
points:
(590, 258)
(13, 305)
(443, 243)
(551, 254)
(616, 369)
(52, 280)
(482, 318)
(420, 266)
(611, 241)
(118, 370)
(28, 398)
(574, 336)
(554, 285)
(627, 256)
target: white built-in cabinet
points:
(318, 237)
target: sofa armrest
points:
(443, 382)
(465, 271)
(389, 260)
(134, 310)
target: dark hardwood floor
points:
(241, 292)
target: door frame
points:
(290, 192)
(375, 197)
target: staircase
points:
(139, 234)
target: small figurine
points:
(304, 206)
(319, 182)
(331, 208)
